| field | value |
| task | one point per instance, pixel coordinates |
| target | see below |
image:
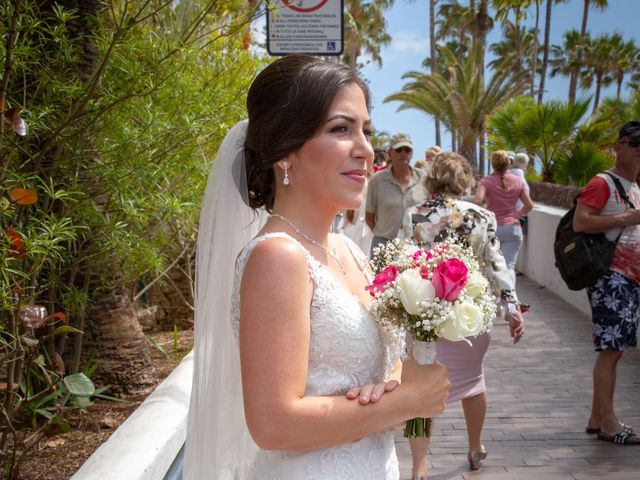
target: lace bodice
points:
(347, 348)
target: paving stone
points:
(539, 402)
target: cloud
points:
(409, 42)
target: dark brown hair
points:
(287, 103)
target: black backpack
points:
(582, 258)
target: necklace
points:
(331, 252)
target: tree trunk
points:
(585, 16)
(619, 80)
(573, 77)
(432, 49)
(596, 98)
(518, 41)
(114, 340)
(534, 57)
(545, 57)
(468, 150)
(482, 26)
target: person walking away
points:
(500, 191)
(392, 191)
(446, 214)
(615, 297)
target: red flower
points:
(448, 279)
(379, 284)
(421, 253)
(16, 245)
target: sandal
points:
(594, 431)
(623, 437)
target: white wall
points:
(536, 259)
(144, 446)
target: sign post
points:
(314, 27)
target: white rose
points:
(414, 289)
(467, 321)
(476, 284)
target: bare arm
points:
(527, 204)
(274, 344)
(588, 219)
(370, 218)
(481, 193)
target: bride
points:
(293, 377)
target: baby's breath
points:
(432, 313)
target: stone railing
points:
(553, 194)
(145, 446)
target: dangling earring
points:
(285, 180)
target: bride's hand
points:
(372, 392)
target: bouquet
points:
(430, 294)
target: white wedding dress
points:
(347, 349)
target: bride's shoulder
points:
(272, 253)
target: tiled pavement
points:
(539, 399)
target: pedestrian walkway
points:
(539, 401)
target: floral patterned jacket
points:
(443, 216)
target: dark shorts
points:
(615, 312)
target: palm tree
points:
(519, 8)
(482, 24)
(545, 57)
(600, 5)
(455, 23)
(366, 30)
(505, 51)
(534, 52)
(625, 61)
(616, 112)
(567, 59)
(460, 99)
(599, 54)
(544, 130)
(432, 51)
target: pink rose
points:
(448, 279)
(379, 284)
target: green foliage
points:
(126, 104)
(460, 99)
(581, 162)
(543, 130)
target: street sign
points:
(314, 27)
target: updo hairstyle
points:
(500, 162)
(450, 173)
(287, 103)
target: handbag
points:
(582, 258)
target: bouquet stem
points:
(424, 353)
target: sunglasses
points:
(632, 143)
(403, 149)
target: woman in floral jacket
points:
(444, 215)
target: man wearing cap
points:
(615, 297)
(393, 190)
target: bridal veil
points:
(218, 444)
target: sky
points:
(408, 25)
